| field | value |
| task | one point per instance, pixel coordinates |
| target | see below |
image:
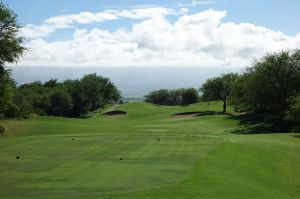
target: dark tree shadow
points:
(254, 124)
(113, 113)
(296, 136)
(198, 113)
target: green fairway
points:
(147, 153)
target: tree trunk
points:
(224, 105)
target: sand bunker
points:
(114, 113)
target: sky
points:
(183, 33)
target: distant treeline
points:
(173, 97)
(71, 98)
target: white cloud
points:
(196, 3)
(66, 21)
(32, 31)
(70, 21)
(184, 10)
(144, 13)
(198, 40)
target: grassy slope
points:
(195, 158)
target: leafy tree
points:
(81, 104)
(51, 83)
(10, 42)
(293, 115)
(173, 97)
(268, 85)
(72, 98)
(99, 90)
(158, 97)
(189, 96)
(219, 88)
(110, 93)
(60, 103)
(12, 110)
(6, 89)
(32, 98)
(11, 45)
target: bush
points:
(2, 129)
(12, 110)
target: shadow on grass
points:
(114, 113)
(254, 124)
(296, 136)
(197, 113)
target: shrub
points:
(12, 110)
(2, 129)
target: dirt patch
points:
(114, 113)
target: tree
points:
(173, 97)
(6, 89)
(293, 115)
(81, 104)
(99, 90)
(219, 88)
(189, 96)
(60, 103)
(51, 83)
(268, 85)
(158, 97)
(11, 45)
(10, 42)
(32, 98)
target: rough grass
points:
(147, 154)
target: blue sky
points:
(280, 15)
(212, 25)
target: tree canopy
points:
(269, 85)
(11, 42)
(219, 88)
(173, 97)
(11, 49)
(71, 98)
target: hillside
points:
(147, 153)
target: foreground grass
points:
(146, 154)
